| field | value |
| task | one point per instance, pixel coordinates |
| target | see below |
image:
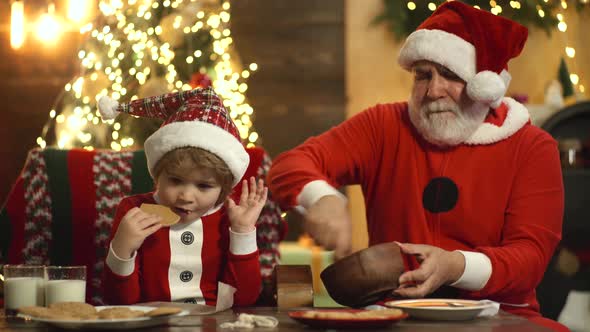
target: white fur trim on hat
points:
(200, 135)
(107, 107)
(441, 47)
(506, 77)
(486, 87)
(488, 133)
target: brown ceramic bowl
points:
(364, 277)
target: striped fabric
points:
(269, 235)
(61, 208)
(112, 180)
(37, 211)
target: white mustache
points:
(441, 106)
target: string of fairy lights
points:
(562, 26)
(105, 76)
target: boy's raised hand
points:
(243, 217)
(135, 226)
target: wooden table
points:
(503, 322)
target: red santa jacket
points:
(184, 262)
(500, 193)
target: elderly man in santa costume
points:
(457, 175)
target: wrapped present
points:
(306, 252)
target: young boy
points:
(195, 159)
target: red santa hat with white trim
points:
(194, 118)
(474, 44)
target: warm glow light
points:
(497, 10)
(48, 27)
(570, 51)
(574, 78)
(253, 137)
(17, 24)
(78, 10)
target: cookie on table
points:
(34, 311)
(119, 313)
(48, 313)
(163, 311)
(76, 309)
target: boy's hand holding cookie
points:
(243, 217)
(135, 226)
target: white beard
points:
(446, 129)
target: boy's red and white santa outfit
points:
(186, 261)
(497, 197)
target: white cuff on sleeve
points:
(242, 243)
(478, 270)
(122, 267)
(315, 190)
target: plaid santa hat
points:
(474, 44)
(194, 118)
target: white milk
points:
(23, 291)
(65, 291)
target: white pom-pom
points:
(107, 107)
(487, 87)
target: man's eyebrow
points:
(447, 71)
(420, 68)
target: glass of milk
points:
(65, 284)
(24, 285)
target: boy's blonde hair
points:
(182, 159)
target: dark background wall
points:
(297, 92)
(299, 89)
(299, 47)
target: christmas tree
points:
(142, 48)
(565, 80)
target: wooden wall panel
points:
(299, 89)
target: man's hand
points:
(135, 226)
(328, 223)
(437, 267)
(243, 217)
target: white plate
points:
(440, 309)
(109, 324)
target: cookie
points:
(385, 313)
(41, 312)
(365, 314)
(169, 218)
(76, 309)
(119, 313)
(163, 311)
(49, 313)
